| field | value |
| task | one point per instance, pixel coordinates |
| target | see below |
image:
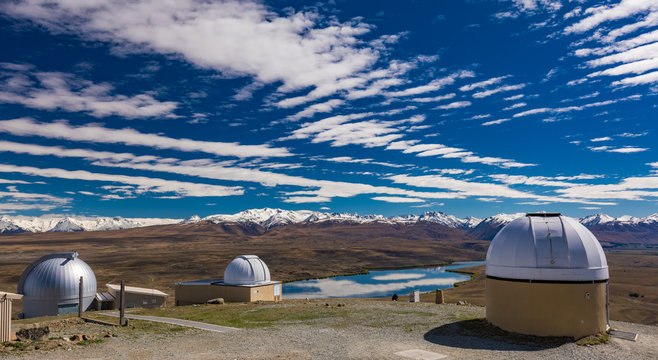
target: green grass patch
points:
(249, 315)
(89, 342)
(14, 345)
(596, 339)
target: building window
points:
(256, 291)
(145, 301)
(154, 301)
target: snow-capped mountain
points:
(46, 223)
(596, 219)
(268, 218)
(599, 219)
(489, 227)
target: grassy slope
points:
(169, 254)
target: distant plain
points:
(159, 256)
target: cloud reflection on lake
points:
(377, 283)
(398, 277)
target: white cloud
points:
(622, 150)
(399, 200)
(515, 97)
(142, 184)
(60, 91)
(550, 181)
(632, 188)
(205, 168)
(484, 83)
(16, 200)
(600, 14)
(605, 138)
(589, 96)
(324, 107)
(434, 99)
(632, 135)
(515, 106)
(575, 108)
(479, 117)
(127, 136)
(619, 46)
(628, 149)
(487, 93)
(453, 105)
(495, 122)
(433, 85)
(347, 159)
(237, 38)
(306, 199)
(639, 53)
(641, 79)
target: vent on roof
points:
(544, 214)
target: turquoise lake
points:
(383, 283)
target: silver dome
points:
(546, 246)
(246, 270)
(50, 285)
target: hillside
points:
(171, 253)
(624, 231)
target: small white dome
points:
(246, 270)
(546, 246)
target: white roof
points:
(104, 296)
(136, 290)
(546, 247)
(246, 270)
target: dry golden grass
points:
(172, 253)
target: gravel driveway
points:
(373, 330)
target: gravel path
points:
(186, 323)
(370, 330)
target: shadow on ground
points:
(479, 334)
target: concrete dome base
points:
(547, 308)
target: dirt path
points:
(360, 330)
(186, 323)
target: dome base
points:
(547, 309)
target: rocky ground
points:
(362, 329)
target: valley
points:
(159, 256)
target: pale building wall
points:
(547, 309)
(138, 300)
(5, 314)
(199, 294)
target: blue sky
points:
(173, 108)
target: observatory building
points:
(50, 285)
(547, 275)
(246, 279)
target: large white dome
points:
(546, 246)
(53, 281)
(246, 270)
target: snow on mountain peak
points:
(54, 223)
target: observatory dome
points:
(50, 285)
(246, 270)
(546, 246)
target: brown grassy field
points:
(159, 256)
(172, 253)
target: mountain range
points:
(267, 218)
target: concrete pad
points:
(418, 354)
